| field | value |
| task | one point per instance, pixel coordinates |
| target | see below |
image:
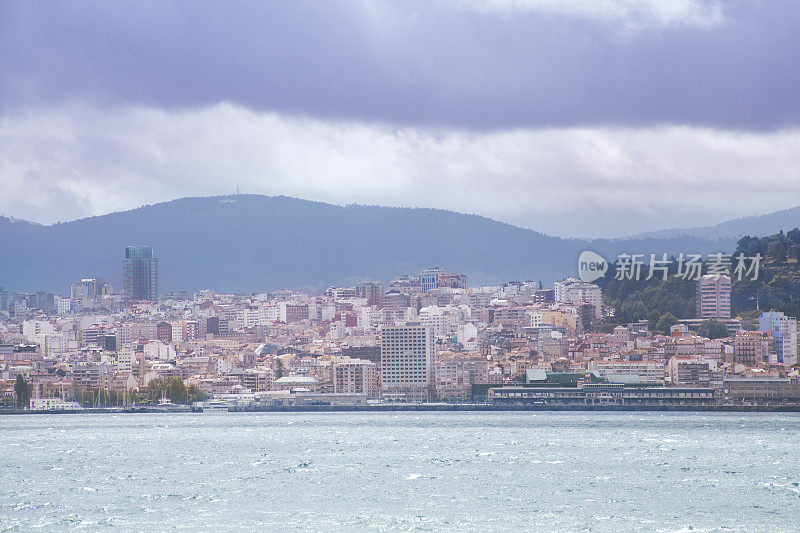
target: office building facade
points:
(140, 274)
(429, 278)
(373, 291)
(407, 362)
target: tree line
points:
(663, 302)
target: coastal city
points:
(399, 266)
(424, 338)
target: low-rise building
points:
(761, 391)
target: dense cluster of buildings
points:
(419, 338)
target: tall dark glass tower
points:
(139, 274)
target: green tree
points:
(607, 327)
(87, 397)
(632, 309)
(176, 390)
(666, 321)
(172, 387)
(777, 251)
(22, 389)
(195, 394)
(713, 329)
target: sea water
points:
(545, 471)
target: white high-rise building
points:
(55, 344)
(433, 317)
(574, 291)
(126, 359)
(467, 335)
(35, 330)
(407, 361)
(268, 313)
(62, 305)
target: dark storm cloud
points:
(419, 63)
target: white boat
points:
(165, 404)
(215, 405)
(54, 404)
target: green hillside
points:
(662, 301)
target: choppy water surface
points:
(423, 471)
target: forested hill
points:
(249, 243)
(662, 302)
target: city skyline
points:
(420, 338)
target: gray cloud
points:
(573, 117)
(479, 65)
(65, 162)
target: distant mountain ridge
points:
(249, 243)
(761, 225)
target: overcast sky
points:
(572, 117)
